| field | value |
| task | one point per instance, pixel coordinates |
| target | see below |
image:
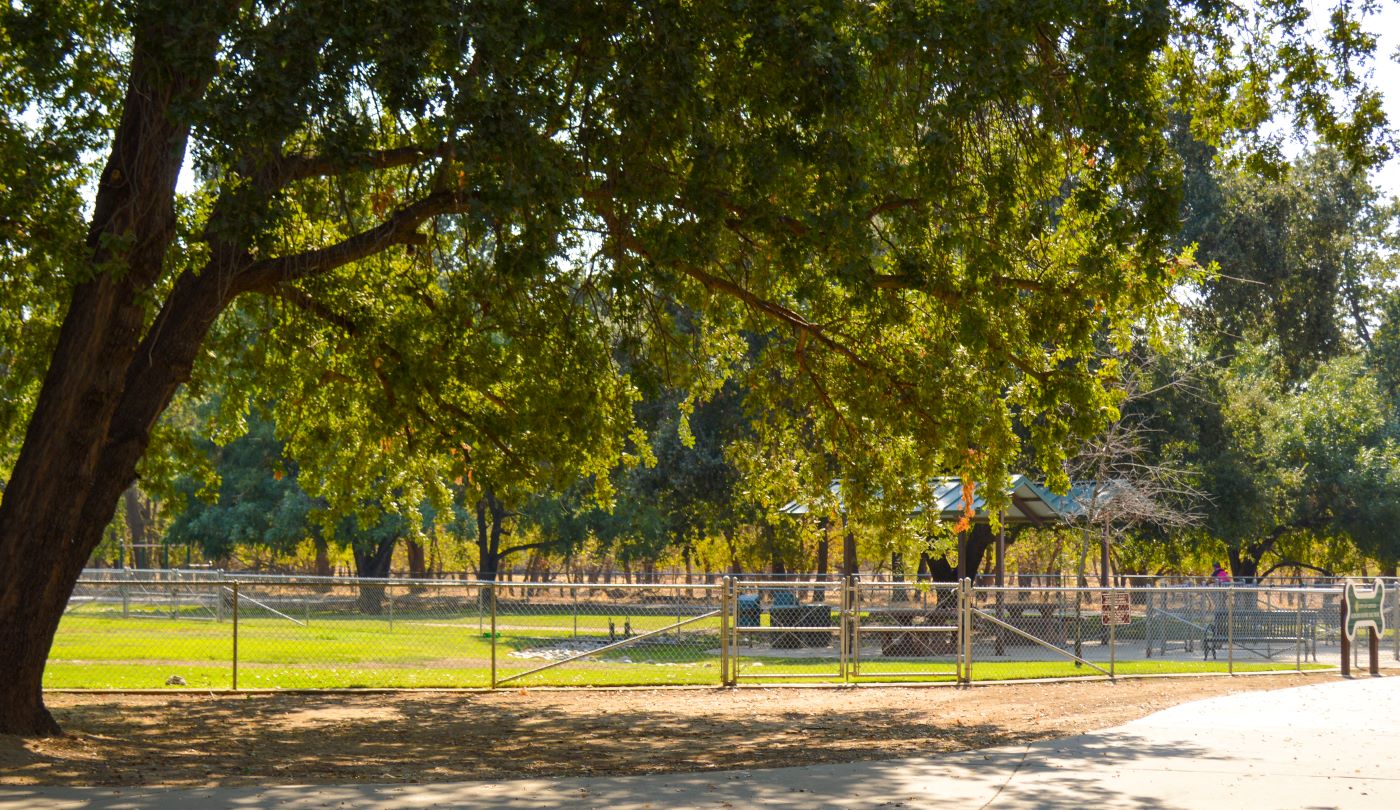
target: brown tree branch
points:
(293, 167)
(399, 229)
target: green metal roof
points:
(1031, 503)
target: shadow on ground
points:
(969, 778)
(324, 739)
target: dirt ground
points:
(269, 739)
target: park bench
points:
(1277, 631)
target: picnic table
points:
(883, 624)
(1042, 619)
(1276, 631)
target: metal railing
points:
(217, 631)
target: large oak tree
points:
(426, 223)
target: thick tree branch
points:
(399, 229)
(503, 553)
(294, 167)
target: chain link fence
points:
(578, 634)
(207, 630)
(786, 630)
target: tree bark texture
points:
(372, 562)
(111, 375)
(417, 560)
(490, 520)
(979, 539)
(138, 526)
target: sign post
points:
(1363, 611)
(1116, 610)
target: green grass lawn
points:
(104, 651)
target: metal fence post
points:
(958, 638)
(964, 626)
(492, 587)
(235, 635)
(846, 621)
(1230, 626)
(724, 631)
(971, 635)
(389, 593)
(1112, 651)
(1298, 629)
(852, 665)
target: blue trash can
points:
(750, 614)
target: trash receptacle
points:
(787, 616)
(817, 616)
(750, 614)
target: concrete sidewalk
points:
(1327, 745)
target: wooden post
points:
(1375, 650)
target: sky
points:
(1387, 78)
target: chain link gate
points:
(604, 633)
(786, 630)
(906, 631)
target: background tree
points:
(256, 500)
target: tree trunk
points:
(106, 384)
(1243, 567)
(417, 560)
(1105, 565)
(372, 562)
(940, 570)
(138, 526)
(323, 560)
(488, 558)
(978, 540)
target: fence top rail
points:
(274, 579)
(596, 586)
(1173, 589)
(1024, 579)
(224, 578)
(792, 584)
